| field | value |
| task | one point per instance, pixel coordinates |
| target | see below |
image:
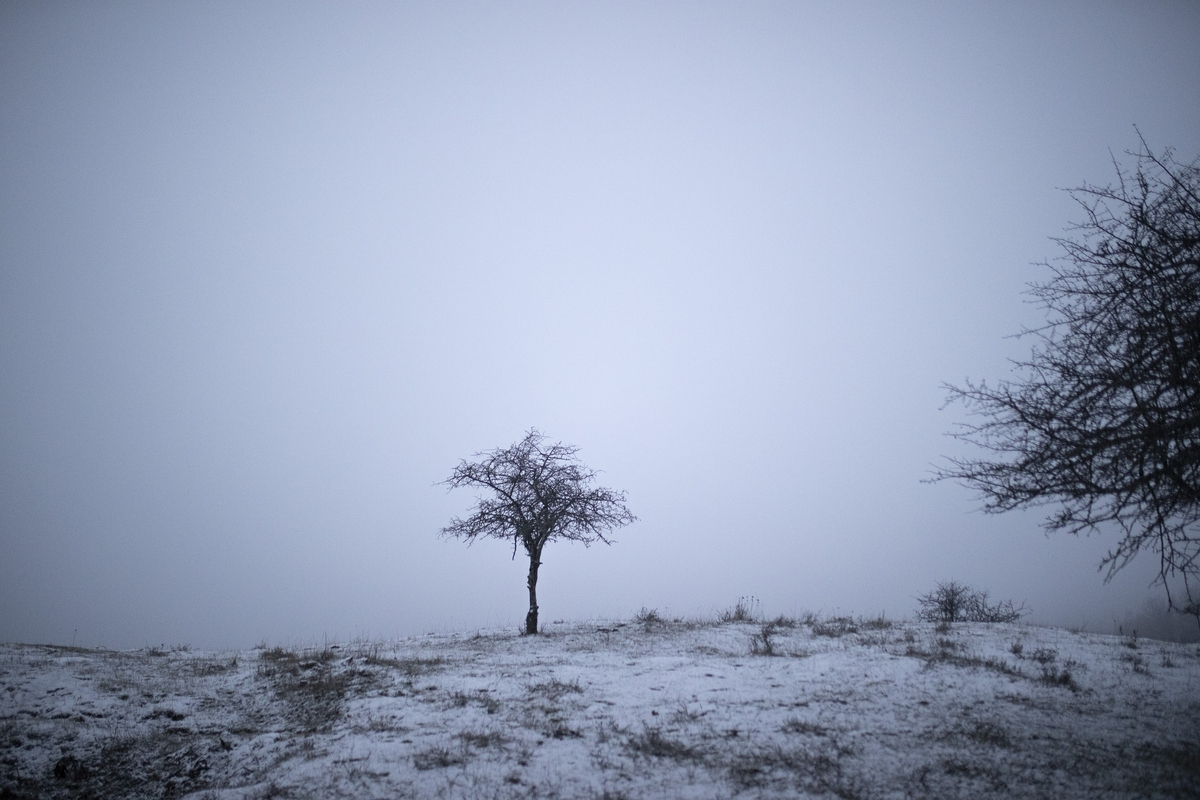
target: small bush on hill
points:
(952, 601)
(745, 611)
(648, 618)
(761, 643)
(834, 627)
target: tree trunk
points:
(531, 619)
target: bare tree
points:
(540, 492)
(1103, 420)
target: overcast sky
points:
(269, 270)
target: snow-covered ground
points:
(639, 709)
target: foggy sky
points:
(269, 270)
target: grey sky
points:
(267, 271)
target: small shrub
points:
(744, 611)
(948, 645)
(206, 667)
(1059, 676)
(1003, 667)
(438, 758)
(1044, 655)
(648, 617)
(684, 714)
(952, 601)
(946, 653)
(651, 742)
(1017, 648)
(480, 697)
(559, 731)
(946, 603)
(834, 627)
(817, 770)
(880, 623)
(554, 688)
(760, 643)
(989, 733)
(277, 654)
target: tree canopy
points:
(1103, 419)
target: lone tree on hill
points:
(1104, 418)
(539, 493)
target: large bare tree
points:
(1103, 420)
(537, 492)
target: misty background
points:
(269, 270)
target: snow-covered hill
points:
(641, 709)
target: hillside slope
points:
(650, 708)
